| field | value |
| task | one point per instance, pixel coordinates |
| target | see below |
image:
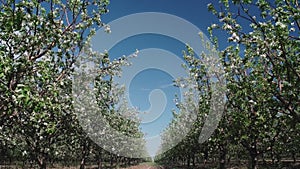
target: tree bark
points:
(99, 161)
(205, 157)
(193, 160)
(111, 160)
(253, 160)
(82, 163)
(42, 162)
(222, 157)
(84, 154)
(188, 161)
(294, 157)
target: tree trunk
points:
(82, 163)
(205, 157)
(272, 156)
(99, 159)
(193, 160)
(117, 161)
(99, 164)
(128, 162)
(84, 154)
(42, 162)
(111, 160)
(253, 161)
(263, 159)
(188, 160)
(122, 160)
(222, 157)
(294, 157)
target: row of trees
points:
(40, 43)
(260, 122)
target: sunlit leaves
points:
(39, 45)
(261, 64)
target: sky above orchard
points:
(152, 83)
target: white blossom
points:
(214, 25)
(107, 29)
(234, 37)
(292, 29)
(280, 24)
(24, 153)
(228, 27)
(252, 102)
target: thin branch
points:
(294, 37)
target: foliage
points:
(261, 63)
(41, 40)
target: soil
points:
(145, 166)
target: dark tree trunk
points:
(294, 157)
(122, 161)
(42, 162)
(111, 160)
(253, 160)
(43, 166)
(188, 160)
(193, 160)
(205, 157)
(99, 159)
(82, 163)
(117, 161)
(263, 159)
(128, 162)
(99, 163)
(272, 155)
(85, 150)
(222, 157)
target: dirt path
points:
(145, 166)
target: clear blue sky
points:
(194, 11)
